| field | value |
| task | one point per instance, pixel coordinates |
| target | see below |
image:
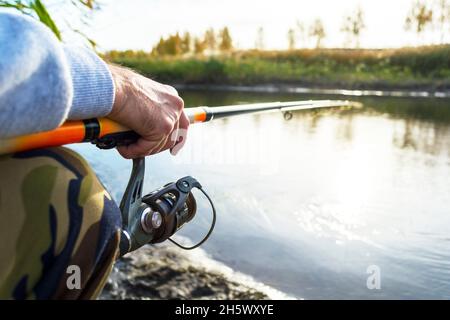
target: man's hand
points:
(153, 110)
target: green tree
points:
(300, 32)
(186, 43)
(226, 42)
(158, 50)
(210, 39)
(353, 25)
(259, 43)
(199, 46)
(443, 18)
(172, 46)
(291, 39)
(419, 17)
(317, 31)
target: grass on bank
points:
(423, 67)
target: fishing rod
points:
(106, 133)
(157, 216)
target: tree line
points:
(423, 15)
(211, 42)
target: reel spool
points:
(155, 217)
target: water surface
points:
(308, 205)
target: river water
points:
(329, 205)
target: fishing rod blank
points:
(106, 133)
(205, 114)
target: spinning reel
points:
(155, 217)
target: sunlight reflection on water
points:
(307, 205)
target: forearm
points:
(43, 83)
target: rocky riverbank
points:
(166, 272)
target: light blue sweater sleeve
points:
(43, 82)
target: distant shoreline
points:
(421, 69)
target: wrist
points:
(116, 73)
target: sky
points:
(138, 24)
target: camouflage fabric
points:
(54, 213)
